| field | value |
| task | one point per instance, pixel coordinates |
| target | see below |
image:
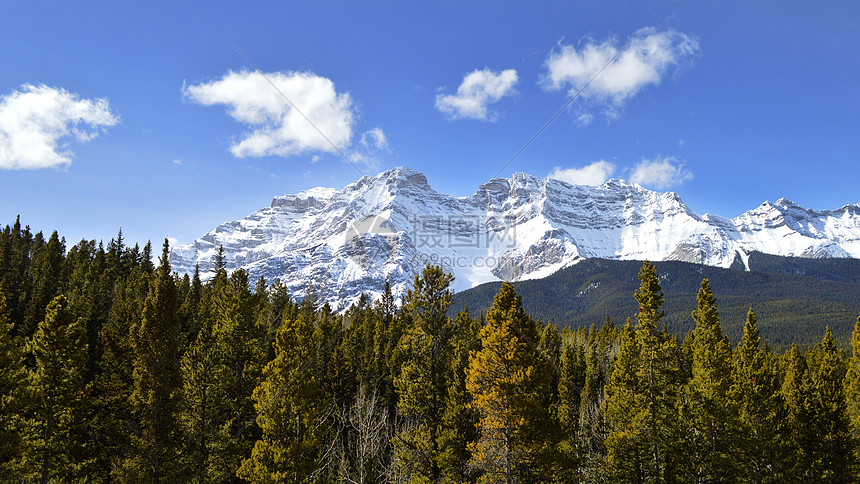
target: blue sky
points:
(145, 117)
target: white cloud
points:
(651, 56)
(660, 173)
(479, 89)
(36, 123)
(177, 162)
(374, 138)
(594, 174)
(583, 119)
(278, 129)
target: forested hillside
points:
(117, 370)
(795, 298)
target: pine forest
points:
(118, 369)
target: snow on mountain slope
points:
(387, 227)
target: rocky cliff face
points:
(387, 227)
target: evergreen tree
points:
(508, 381)
(14, 263)
(145, 259)
(384, 313)
(549, 349)
(707, 413)
(114, 421)
(641, 401)
(46, 280)
(291, 411)
(459, 418)
(205, 412)
(571, 385)
(12, 377)
(830, 447)
(852, 388)
(243, 355)
(220, 262)
(422, 382)
(56, 442)
(760, 408)
(626, 455)
(798, 422)
(157, 380)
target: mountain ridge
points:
(387, 227)
(794, 299)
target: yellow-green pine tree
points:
(508, 380)
(291, 411)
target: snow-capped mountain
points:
(349, 241)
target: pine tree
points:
(798, 423)
(508, 380)
(114, 421)
(761, 410)
(549, 349)
(641, 401)
(12, 377)
(626, 454)
(220, 262)
(459, 419)
(852, 388)
(46, 281)
(831, 449)
(291, 411)
(243, 355)
(145, 260)
(571, 384)
(591, 427)
(422, 381)
(157, 379)
(708, 415)
(14, 262)
(56, 442)
(204, 412)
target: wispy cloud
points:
(374, 138)
(277, 128)
(651, 56)
(593, 174)
(38, 122)
(660, 173)
(479, 89)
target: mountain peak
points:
(402, 177)
(389, 226)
